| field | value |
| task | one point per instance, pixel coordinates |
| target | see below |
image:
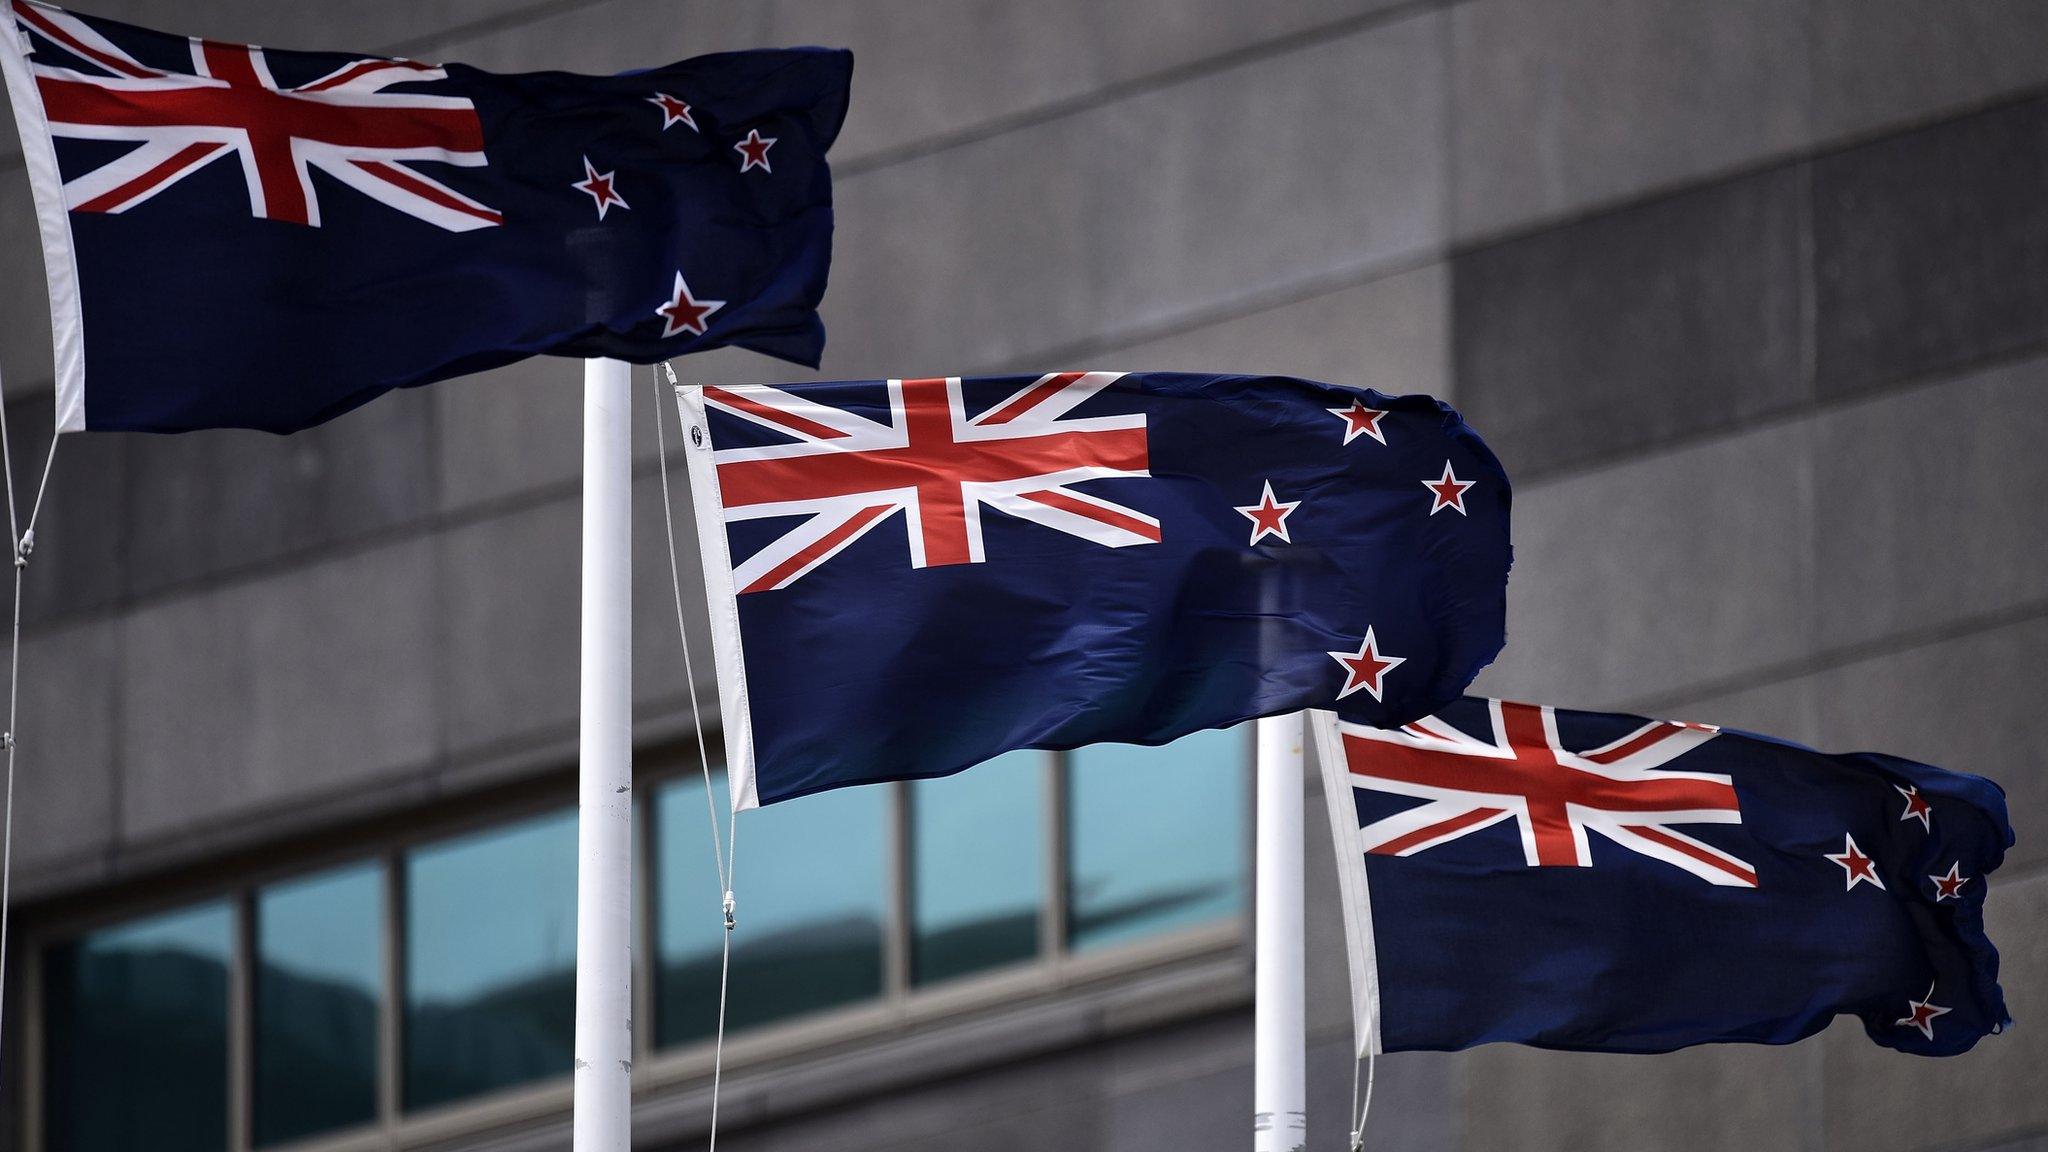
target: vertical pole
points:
(604, 806)
(1279, 1092)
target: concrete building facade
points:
(1751, 298)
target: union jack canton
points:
(908, 577)
(1590, 881)
(237, 236)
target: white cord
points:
(24, 543)
(721, 858)
(1358, 1129)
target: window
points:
(136, 1035)
(275, 999)
(319, 965)
(815, 904)
(1157, 837)
(490, 960)
(977, 851)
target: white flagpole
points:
(1279, 1087)
(604, 809)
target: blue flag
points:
(1608, 883)
(245, 237)
(908, 577)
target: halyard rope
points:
(1358, 1129)
(24, 544)
(722, 859)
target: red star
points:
(1359, 421)
(1447, 491)
(754, 151)
(685, 313)
(1269, 516)
(600, 188)
(1950, 886)
(1917, 807)
(1921, 1013)
(1857, 867)
(1365, 667)
(673, 111)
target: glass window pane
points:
(319, 977)
(1157, 836)
(490, 960)
(136, 1035)
(812, 906)
(977, 867)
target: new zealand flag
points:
(243, 237)
(908, 577)
(1582, 880)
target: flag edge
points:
(720, 602)
(60, 261)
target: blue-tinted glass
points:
(1157, 837)
(136, 1036)
(490, 960)
(977, 843)
(318, 982)
(812, 902)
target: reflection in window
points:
(490, 960)
(1157, 837)
(136, 1035)
(813, 902)
(318, 982)
(977, 867)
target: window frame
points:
(901, 1007)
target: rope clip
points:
(1358, 1141)
(6, 741)
(24, 548)
(730, 921)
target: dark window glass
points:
(490, 960)
(136, 1035)
(1157, 837)
(812, 902)
(318, 983)
(977, 867)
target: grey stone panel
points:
(308, 688)
(1741, 1098)
(1419, 1101)
(1787, 709)
(659, 682)
(1878, 63)
(1660, 321)
(1929, 505)
(1115, 218)
(502, 432)
(1565, 104)
(1879, 1100)
(922, 71)
(1639, 581)
(520, 428)
(65, 770)
(80, 558)
(1189, 1111)
(1931, 249)
(1390, 333)
(204, 502)
(1967, 703)
(510, 595)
